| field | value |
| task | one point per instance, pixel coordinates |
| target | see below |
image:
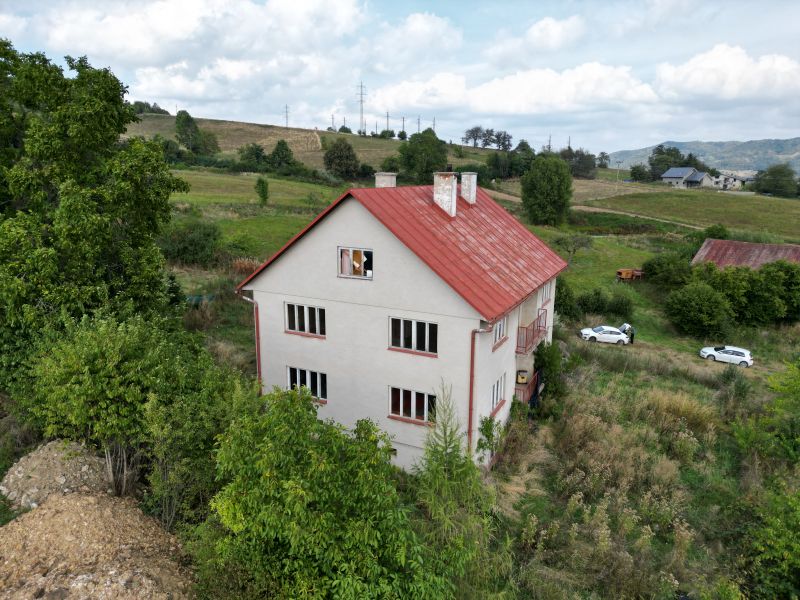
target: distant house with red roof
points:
(729, 253)
(392, 292)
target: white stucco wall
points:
(354, 355)
(355, 352)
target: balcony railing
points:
(524, 391)
(529, 337)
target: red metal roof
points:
(488, 257)
(727, 253)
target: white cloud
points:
(551, 34)
(547, 34)
(729, 73)
(590, 86)
(12, 26)
(416, 39)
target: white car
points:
(728, 354)
(604, 333)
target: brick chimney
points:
(469, 186)
(445, 186)
(384, 180)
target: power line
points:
(387, 120)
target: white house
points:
(393, 291)
(729, 181)
(686, 177)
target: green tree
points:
(602, 160)
(641, 173)
(345, 129)
(699, 310)
(456, 507)
(391, 164)
(80, 210)
(253, 156)
(281, 156)
(546, 190)
(402, 135)
(341, 160)
(186, 130)
(262, 189)
(311, 510)
(565, 303)
(570, 244)
(145, 395)
(422, 155)
(778, 180)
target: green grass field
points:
(757, 214)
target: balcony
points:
(529, 337)
(524, 391)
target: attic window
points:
(355, 262)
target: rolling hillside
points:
(750, 155)
(305, 143)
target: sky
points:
(604, 76)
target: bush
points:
(191, 241)
(669, 269)
(699, 310)
(620, 305)
(148, 396)
(391, 164)
(593, 302)
(365, 171)
(565, 304)
(262, 189)
(309, 505)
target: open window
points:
(355, 262)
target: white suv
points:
(728, 354)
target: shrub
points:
(547, 357)
(262, 189)
(699, 310)
(191, 241)
(774, 545)
(565, 304)
(669, 269)
(341, 160)
(309, 505)
(147, 396)
(391, 164)
(365, 171)
(593, 302)
(620, 305)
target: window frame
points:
(321, 382)
(320, 319)
(414, 326)
(499, 332)
(413, 400)
(498, 393)
(351, 249)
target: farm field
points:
(589, 189)
(306, 144)
(756, 214)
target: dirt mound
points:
(89, 546)
(57, 466)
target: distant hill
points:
(736, 156)
(307, 144)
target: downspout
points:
(472, 382)
(258, 335)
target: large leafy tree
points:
(423, 154)
(79, 210)
(546, 190)
(311, 510)
(780, 180)
(341, 160)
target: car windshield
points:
(719, 348)
(598, 329)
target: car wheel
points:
(744, 364)
(710, 357)
(620, 342)
(592, 339)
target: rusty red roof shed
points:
(486, 255)
(728, 253)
